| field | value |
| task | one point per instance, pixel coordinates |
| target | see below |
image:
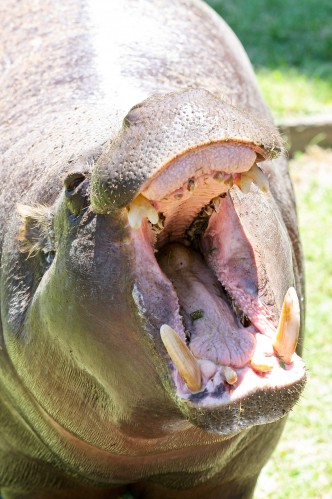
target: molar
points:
(216, 204)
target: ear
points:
(35, 232)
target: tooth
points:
(161, 223)
(208, 368)
(289, 326)
(191, 184)
(183, 359)
(141, 208)
(152, 215)
(216, 204)
(230, 374)
(262, 364)
(245, 183)
(219, 177)
(208, 210)
(135, 217)
(178, 194)
(229, 180)
(258, 177)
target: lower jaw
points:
(225, 409)
(255, 398)
(216, 391)
(261, 405)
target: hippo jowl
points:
(151, 270)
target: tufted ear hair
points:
(35, 229)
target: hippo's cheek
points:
(215, 286)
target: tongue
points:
(215, 332)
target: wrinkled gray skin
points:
(86, 408)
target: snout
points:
(183, 132)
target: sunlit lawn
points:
(290, 46)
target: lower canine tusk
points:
(183, 359)
(287, 334)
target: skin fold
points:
(96, 99)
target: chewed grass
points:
(301, 466)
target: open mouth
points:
(216, 280)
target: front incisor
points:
(262, 363)
(287, 334)
(183, 359)
(229, 374)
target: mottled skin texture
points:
(83, 406)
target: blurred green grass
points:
(290, 45)
(302, 464)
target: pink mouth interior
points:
(213, 330)
(210, 278)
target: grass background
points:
(290, 46)
(301, 466)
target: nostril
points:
(72, 181)
(76, 192)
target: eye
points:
(76, 192)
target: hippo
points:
(152, 289)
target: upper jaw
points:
(265, 384)
(163, 128)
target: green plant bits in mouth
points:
(197, 314)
